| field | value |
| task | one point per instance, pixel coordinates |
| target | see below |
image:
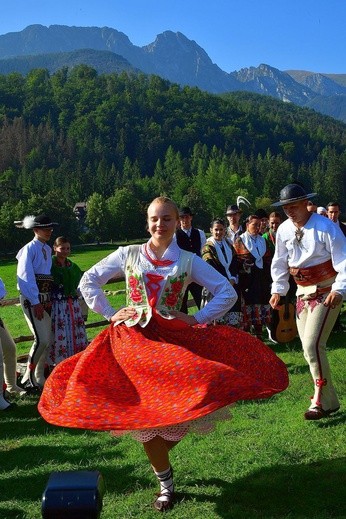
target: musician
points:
(312, 248)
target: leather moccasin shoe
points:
(167, 504)
(29, 389)
(317, 413)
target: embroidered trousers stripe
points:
(315, 323)
(42, 331)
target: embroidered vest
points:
(138, 289)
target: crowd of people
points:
(158, 372)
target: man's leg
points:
(42, 331)
(10, 361)
(315, 322)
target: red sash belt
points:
(313, 275)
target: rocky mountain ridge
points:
(172, 56)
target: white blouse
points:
(113, 266)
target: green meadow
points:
(265, 463)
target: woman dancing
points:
(156, 372)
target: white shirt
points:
(233, 235)
(114, 266)
(34, 258)
(321, 241)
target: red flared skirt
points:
(158, 376)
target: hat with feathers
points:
(30, 222)
(235, 208)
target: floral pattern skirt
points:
(68, 330)
(168, 373)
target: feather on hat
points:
(30, 222)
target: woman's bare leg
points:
(157, 451)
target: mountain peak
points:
(171, 55)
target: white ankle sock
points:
(166, 484)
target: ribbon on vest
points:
(153, 286)
(154, 261)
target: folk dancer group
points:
(167, 373)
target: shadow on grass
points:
(26, 416)
(333, 420)
(118, 480)
(20, 485)
(293, 369)
(305, 491)
(25, 468)
(6, 513)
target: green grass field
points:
(265, 463)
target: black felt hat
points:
(183, 211)
(233, 209)
(293, 193)
(32, 222)
(261, 213)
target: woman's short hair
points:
(252, 217)
(275, 214)
(219, 221)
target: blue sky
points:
(286, 34)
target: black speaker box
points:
(73, 495)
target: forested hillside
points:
(118, 140)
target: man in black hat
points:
(234, 230)
(191, 239)
(313, 250)
(34, 283)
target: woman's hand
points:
(123, 314)
(188, 319)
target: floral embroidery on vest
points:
(136, 293)
(171, 295)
